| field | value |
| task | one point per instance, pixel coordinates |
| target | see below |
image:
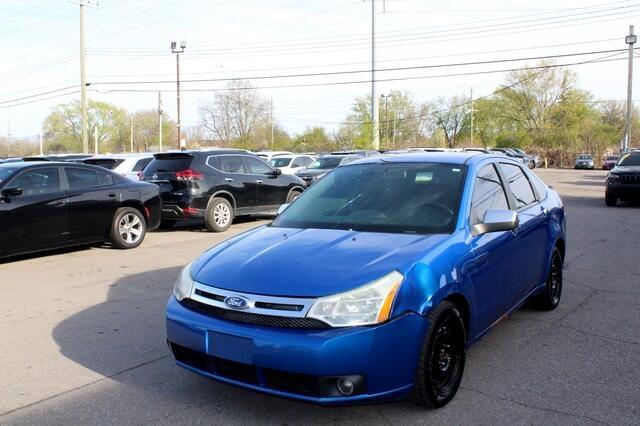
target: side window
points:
(488, 193)
(540, 187)
(519, 184)
(214, 161)
(83, 178)
(298, 162)
(37, 182)
(232, 164)
(141, 164)
(258, 167)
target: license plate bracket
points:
(229, 347)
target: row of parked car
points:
(53, 201)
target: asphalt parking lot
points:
(82, 335)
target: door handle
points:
(57, 203)
(112, 194)
(228, 180)
(259, 181)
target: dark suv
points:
(623, 181)
(217, 186)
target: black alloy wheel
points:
(442, 359)
(549, 299)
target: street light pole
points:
(375, 118)
(178, 51)
(630, 40)
(386, 120)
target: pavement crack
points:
(534, 407)
(86, 385)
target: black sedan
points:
(48, 205)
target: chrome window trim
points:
(252, 299)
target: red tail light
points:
(139, 174)
(189, 174)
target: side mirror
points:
(496, 220)
(281, 209)
(11, 192)
(277, 172)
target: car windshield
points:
(612, 159)
(5, 172)
(584, 157)
(280, 161)
(416, 198)
(326, 163)
(630, 160)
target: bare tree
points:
(451, 116)
(234, 113)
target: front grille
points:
(215, 365)
(630, 179)
(255, 319)
(302, 384)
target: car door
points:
(491, 269)
(237, 181)
(38, 217)
(272, 188)
(532, 235)
(93, 200)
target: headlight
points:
(184, 283)
(613, 177)
(369, 304)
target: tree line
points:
(541, 110)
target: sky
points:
(424, 46)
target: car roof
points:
(468, 157)
(120, 156)
(27, 164)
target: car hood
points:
(308, 262)
(312, 172)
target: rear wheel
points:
(128, 228)
(610, 199)
(442, 358)
(293, 195)
(550, 297)
(219, 215)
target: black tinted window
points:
(232, 164)
(141, 164)
(258, 167)
(169, 164)
(36, 182)
(83, 178)
(630, 160)
(107, 163)
(281, 162)
(488, 193)
(519, 185)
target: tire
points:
(442, 358)
(610, 199)
(219, 215)
(293, 195)
(128, 228)
(549, 299)
(167, 223)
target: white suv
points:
(127, 165)
(290, 164)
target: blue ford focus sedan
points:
(374, 282)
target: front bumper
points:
(299, 363)
(584, 166)
(623, 190)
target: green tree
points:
(145, 131)
(314, 139)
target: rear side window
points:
(38, 182)
(232, 164)
(141, 164)
(169, 164)
(488, 193)
(83, 178)
(519, 184)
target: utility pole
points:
(9, 138)
(160, 121)
(271, 122)
(41, 145)
(630, 40)
(178, 51)
(95, 137)
(83, 78)
(472, 116)
(375, 118)
(131, 134)
(386, 120)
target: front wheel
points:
(128, 228)
(610, 199)
(219, 215)
(442, 358)
(293, 195)
(549, 299)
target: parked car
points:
(584, 161)
(623, 181)
(482, 150)
(217, 186)
(524, 159)
(290, 164)
(267, 155)
(127, 165)
(72, 158)
(47, 205)
(609, 162)
(360, 152)
(323, 165)
(374, 282)
(537, 161)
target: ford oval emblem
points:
(236, 302)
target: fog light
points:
(345, 386)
